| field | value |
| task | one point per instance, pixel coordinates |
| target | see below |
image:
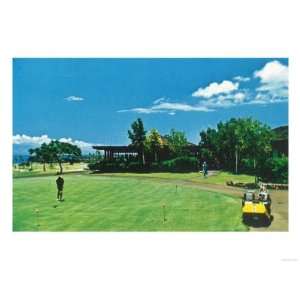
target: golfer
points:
(60, 186)
(204, 168)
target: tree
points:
(241, 138)
(138, 137)
(61, 151)
(274, 169)
(237, 140)
(260, 140)
(41, 155)
(177, 142)
(154, 143)
(209, 147)
(55, 151)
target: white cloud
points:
(273, 81)
(274, 90)
(158, 100)
(168, 107)
(239, 97)
(241, 78)
(224, 101)
(74, 98)
(180, 107)
(80, 144)
(273, 72)
(141, 110)
(261, 98)
(33, 140)
(225, 87)
(36, 141)
(267, 98)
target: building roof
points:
(116, 148)
(131, 148)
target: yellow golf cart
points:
(256, 209)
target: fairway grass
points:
(219, 177)
(105, 203)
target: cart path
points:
(279, 198)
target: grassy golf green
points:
(105, 203)
(194, 177)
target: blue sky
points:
(94, 101)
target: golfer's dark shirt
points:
(59, 183)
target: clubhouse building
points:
(111, 152)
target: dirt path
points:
(279, 198)
(279, 212)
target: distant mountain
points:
(282, 132)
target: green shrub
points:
(95, 166)
(247, 166)
(117, 165)
(156, 167)
(107, 166)
(180, 164)
(136, 167)
(274, 170)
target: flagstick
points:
(37, 218)
(164, 213)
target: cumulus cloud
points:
(36, 141)
(224, 101)
(272, 88)
(33, 140)
(273, 81)
(81, 144)
(214, 88)
(272, 72)
(239, 97)
(74, 98)
(267, 98)
(241, 78)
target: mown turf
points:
(217, 178)
(99, 203)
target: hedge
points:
(179, 164)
